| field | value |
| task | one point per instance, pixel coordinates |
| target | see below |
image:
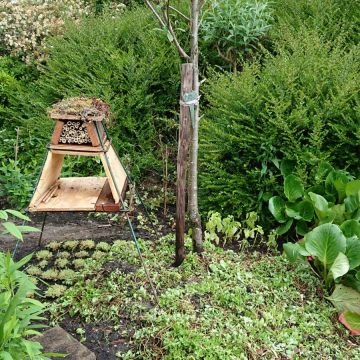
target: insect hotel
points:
(80, 130)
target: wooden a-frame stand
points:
(76, 135)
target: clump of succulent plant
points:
(61, 262)
(67, 276)
(63, 254)
(87, 245)
(119, 244)
(43, 264)
(33, 270)
(53, 245)
(55, 291)
(34, 280)
(70, 244)
(51, 274)
(98, 255)
(81, 254)
(43, 255)
(103, 246)
(79, 263)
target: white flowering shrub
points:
(25, 24)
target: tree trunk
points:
(193, 195)
(187, 72)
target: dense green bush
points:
(125, 62)
(329, 18)
(300, 104)
(233, 29)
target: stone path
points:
(59, 341)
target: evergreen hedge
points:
(299, 102)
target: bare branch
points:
(172, 32)
(179, 12)
(158, 17)
(166, 23)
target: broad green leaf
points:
(356, 215)
(12, 229)
(18, 214)
(340, 266)
(351, 203)
(3, 215)
(302, 250)
(277, 208)
(353, 321)
(293, 188)
(302, 228)
(291, 211)
(292, 251)
(303, 210)
(281, 230)
(325, 242)
(352, 188)
(350, 228)
(338, 212)
(358, 275)
(351, 281)
(287, 167)
(306, 210)
(4, 355)
(319, 202)
(353, 251)
(335, 184)
(317, 189)
(345, 299)
(323, 170)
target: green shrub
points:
(330, 18)
(301, 105)
(125, 62)
(233, 29)
(19, 312)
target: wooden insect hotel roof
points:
(80, 130)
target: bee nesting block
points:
(74, 132)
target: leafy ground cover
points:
(226, 305)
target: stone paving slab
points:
(58, 340)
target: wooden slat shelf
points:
(67, 149)
(77, 194)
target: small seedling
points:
(103, 246)
(61, 262)
(43, 255)
(34, 271)
(79, 263)
(43, 264)
(53, 245)
(81, 332)
(81, 254)
(70, 244)
(87, 245)
(50, 274)
(98, 255)
(55, 291)
(63, 254)
(67, 276)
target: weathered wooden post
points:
(187, 72)
(189, 110)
